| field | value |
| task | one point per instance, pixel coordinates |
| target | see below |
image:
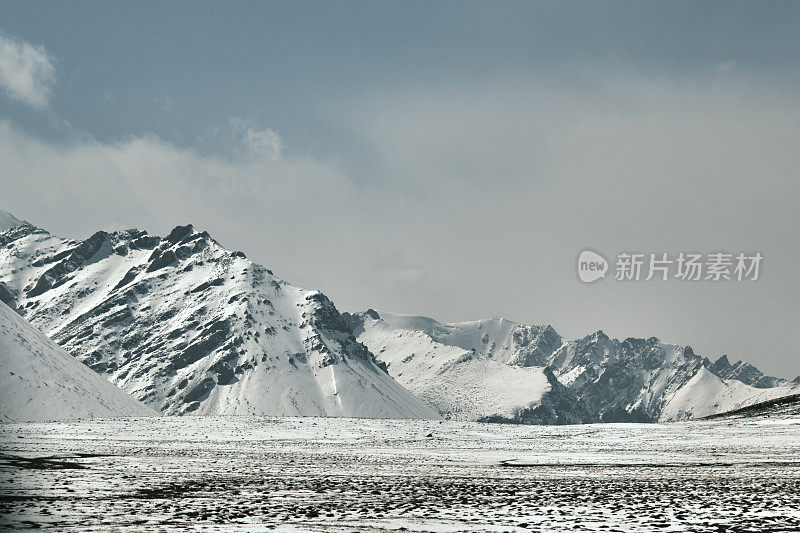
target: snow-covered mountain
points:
(41, 381)
(629, 380)
(8, 221)
(706, 394)
(646, 379)
(186, 326)
(464, 371)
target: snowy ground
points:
(314, 474)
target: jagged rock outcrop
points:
(7, 296)
(744, 372)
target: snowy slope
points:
(785, 408)
(707, 394)
(8, 221)
(187, 326)
(40, 381)
(498, 339)
(630, 380)
(437, 363)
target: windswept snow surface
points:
(636, 380)
(358, 475)
(40, 381)
(188, 327)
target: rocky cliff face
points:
(187, 326)
(649, 380)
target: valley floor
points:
(313, 474)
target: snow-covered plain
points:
(322, 474)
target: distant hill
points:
(8, 221)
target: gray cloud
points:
(516, 178)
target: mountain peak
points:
(180, 232)
(597, 335)
(8, 221)
(635, 379)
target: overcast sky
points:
(449, 159)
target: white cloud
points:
(26, 72)
(265, 143)
(257, 143)
(146, 180)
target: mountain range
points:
(594, 378)
(188, 327)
